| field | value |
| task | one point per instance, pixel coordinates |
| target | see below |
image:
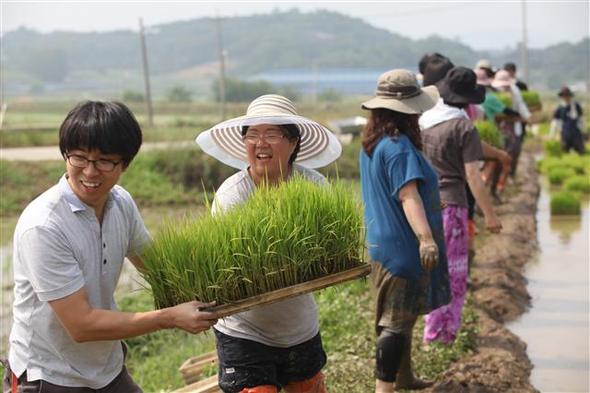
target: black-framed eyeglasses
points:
(82, 162)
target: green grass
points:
(161, 177)
(432, 360)
(346, 320)
(24, 181)
(565, 203)
(36, 123)
(153, 359)
(347, 166)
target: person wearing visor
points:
(69, 248)
(405, 238)
(276, 346)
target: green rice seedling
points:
(577, 163)
(580, 164)
(281, 236)
(579, 183)
(552, 148)
(489, 133)
(547, 163)
(543, 129)
(557, 175)
(532, 100)
(506, 98)
(565, 202)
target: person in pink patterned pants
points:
(452, 144)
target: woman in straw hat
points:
(452, 144)
(404, 223)
(277, 346)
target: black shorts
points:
(246, 363)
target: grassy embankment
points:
(36, 123)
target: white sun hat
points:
(319, 146)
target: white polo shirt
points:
(60, 247)
(283, 324)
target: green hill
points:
(186, 51)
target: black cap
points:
(460, 87)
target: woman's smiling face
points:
(269, 149)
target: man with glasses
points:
(69, 247)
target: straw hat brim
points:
(319, 146)
(414, 105)
(497, 84)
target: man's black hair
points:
(109, 127)
(430, 58)
(291, 131)
(510, 67)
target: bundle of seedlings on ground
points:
(578, 183)
(489, 133)
(282, 236)
(565, 202)
(557, 175)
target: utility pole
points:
(146, 75)
(221, 53)
(587, 68)
(524, 51)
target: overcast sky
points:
(479, 24)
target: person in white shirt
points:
(69, 247)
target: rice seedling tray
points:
(224, 310)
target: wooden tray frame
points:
(192, 368)
(223, 310)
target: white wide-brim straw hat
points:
(398, 90)
(318, 147)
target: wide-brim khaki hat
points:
(318, 146)
(398, 90)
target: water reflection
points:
(565, 227)
(556, 328)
